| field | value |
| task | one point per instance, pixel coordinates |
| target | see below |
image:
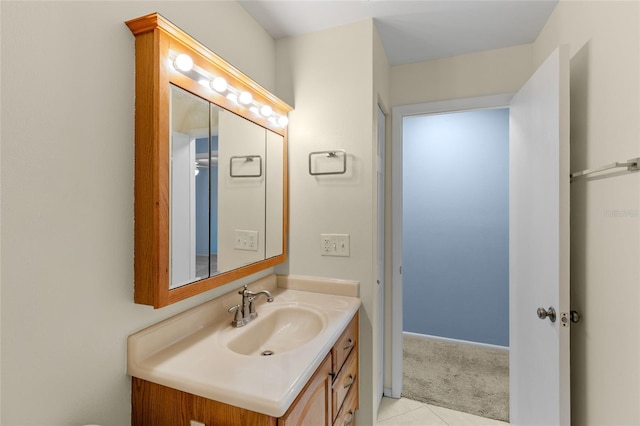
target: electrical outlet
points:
(334, 245)
(246, 240)
(196, 423)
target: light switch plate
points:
(334, 245)
(246, 240)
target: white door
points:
(539, 246)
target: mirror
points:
(191, 190)
(221, 172)
(210, 169)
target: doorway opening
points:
(456, 260)
(446, 186)
(539, 364)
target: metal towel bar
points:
(335, 153)
(245, 159)
(631, 166)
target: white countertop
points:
(188, 352)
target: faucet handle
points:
(243, 290)
(238, 320)
(252, 307)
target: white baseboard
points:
(460, 342)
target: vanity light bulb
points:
(266, 110)
(183, 62)
(219, 84)
(283, 120)
(245, 98)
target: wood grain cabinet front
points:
(329, 398)
(347, 414)
(346, 343)
(313, 405)
(345, 373)
(346, 380)
(157, 405)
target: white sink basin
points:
(200, 352)
(276, 331)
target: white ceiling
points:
(413, 31)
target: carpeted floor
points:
(467, 378)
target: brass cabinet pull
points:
(351, 380)
(349, 345)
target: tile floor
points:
(405, 412)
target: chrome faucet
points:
(246, 311)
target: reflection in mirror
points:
(274, 195)
(183, 245)
(226, 190)
(207, 199)
(241, 217)
(189, 229)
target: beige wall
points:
(67, 198)
(604, 39)
(477, 74)
(328, 77)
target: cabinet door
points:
(157, 405)
(313, 406)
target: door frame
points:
(398, 113)
(379, 294)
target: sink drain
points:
(267, 353)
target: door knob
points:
(550, 313)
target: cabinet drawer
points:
(347, 414)
(345, 344)
(346, 382)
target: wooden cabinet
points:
(329, 398)
(347, 414)
(157, 405)
(345, 373)
(158, 44)
(313, 405)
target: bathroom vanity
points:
(211, 207)
(295, 364)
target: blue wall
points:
(456, 225)
(206, 239)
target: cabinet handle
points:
(349, 419)
(349, 345)
(351, 380)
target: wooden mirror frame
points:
(155, 39)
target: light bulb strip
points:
(206, 79)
